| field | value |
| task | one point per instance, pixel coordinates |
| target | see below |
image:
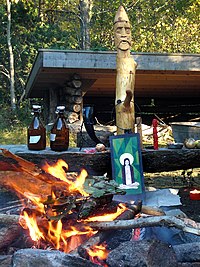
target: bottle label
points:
(34, 139)
(52, 137)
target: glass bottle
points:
(59, 137)
(36, 133)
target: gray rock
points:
(5, 260)
(188, 252)
(45, 258)
(144, 253)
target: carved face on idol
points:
(122, 31)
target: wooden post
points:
(139, 129)
(125, 81)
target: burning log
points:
(101, 237)
(31, 168)
(184, 224)
(33, 179)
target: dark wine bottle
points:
(59, 137)
(36, 133)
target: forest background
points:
(165, 26)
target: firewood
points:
(72, 91)
(22, 163)
(11, 207)
(188, 252)
(184, 224)
(74, 107)
(32, 169)
(71, 117)
(75, 83)
(74, 99)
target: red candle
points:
(195, 194)
(155, 134)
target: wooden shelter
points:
(165, 83)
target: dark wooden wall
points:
(168, 109)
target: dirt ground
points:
(184, 181)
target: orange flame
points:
(110, 216)
(98, 253)
(57, 169)
(53, 232)
(31, 224)
(79, 182)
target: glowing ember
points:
(98, 254)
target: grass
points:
(13, 136)
(173, 179)
(18, 136)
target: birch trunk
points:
(11, 58)
(85, 14)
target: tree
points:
(10, 73)
(157, 26)
(85, 17)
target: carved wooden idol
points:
(125, 81)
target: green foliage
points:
(157, 26)
(13, 125)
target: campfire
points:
(58, 205)
(74, 213)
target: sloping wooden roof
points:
(157, 75)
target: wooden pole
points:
(139, 129)
(125, 80)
